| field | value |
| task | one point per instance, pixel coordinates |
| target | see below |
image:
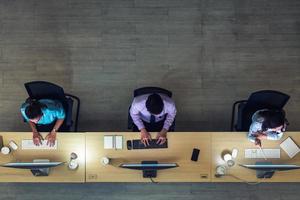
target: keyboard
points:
(137, 144)
(28, 145)
(257, 153)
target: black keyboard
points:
(137, 144)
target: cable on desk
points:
(153, 180)
(244, 181)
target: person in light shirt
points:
(267, 125)
(43, 112)
(155, 112)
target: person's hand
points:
(145, 137)
(51, 137)
(261, 136)
(37, 138)
(161, 138)
(257, 142)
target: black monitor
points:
(149, 168)
(38, 168)
(267, 169)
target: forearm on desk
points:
(58, 124)
(33, 127)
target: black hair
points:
(34, 109)
(154, 104)
(272, 118)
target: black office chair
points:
(148, 90)
(264, 99)
(46, 90)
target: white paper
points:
(119, 141)
(108, 142)
(290, 147)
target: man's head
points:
(34, 112)
(154, 104)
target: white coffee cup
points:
(5, 150)
(13, 145)
(228, 159)
(73, 164)
(105, 160)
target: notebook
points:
(290, 147)
(108, 142)
(113, 142)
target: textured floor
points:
(187, 191)
(210, 53)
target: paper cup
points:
(5, 150)
(105, 161)
(227, 157)
(73, 164)
(13, 145)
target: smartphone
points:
(195, 154)
(129, 144)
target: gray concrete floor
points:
(187, 191)
(210, 53)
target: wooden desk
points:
(180, 146)
(89, 148)
(67, 143)
(227, 141)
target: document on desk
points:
(113, 142)
(290, 147)
(108, 142)
(119, 142)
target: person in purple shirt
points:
(155, 112)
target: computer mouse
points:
(234, 153)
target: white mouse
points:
(234, 153)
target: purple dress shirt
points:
(139, 112)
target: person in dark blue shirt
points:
(43, 111)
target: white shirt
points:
(139, 112)
(256, 126)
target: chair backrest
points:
(267, 99)
(46, 90)
(263, 99)
(149, 90)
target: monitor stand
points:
(40, 171)
(149, 173)
(264, 173)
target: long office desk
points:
(67, 143)
(180, 146)
(226, 141)
(90, 149)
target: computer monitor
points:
(37, 167)
(149, 168)
(267, 169)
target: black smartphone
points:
(195, 154)
(129, 144)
